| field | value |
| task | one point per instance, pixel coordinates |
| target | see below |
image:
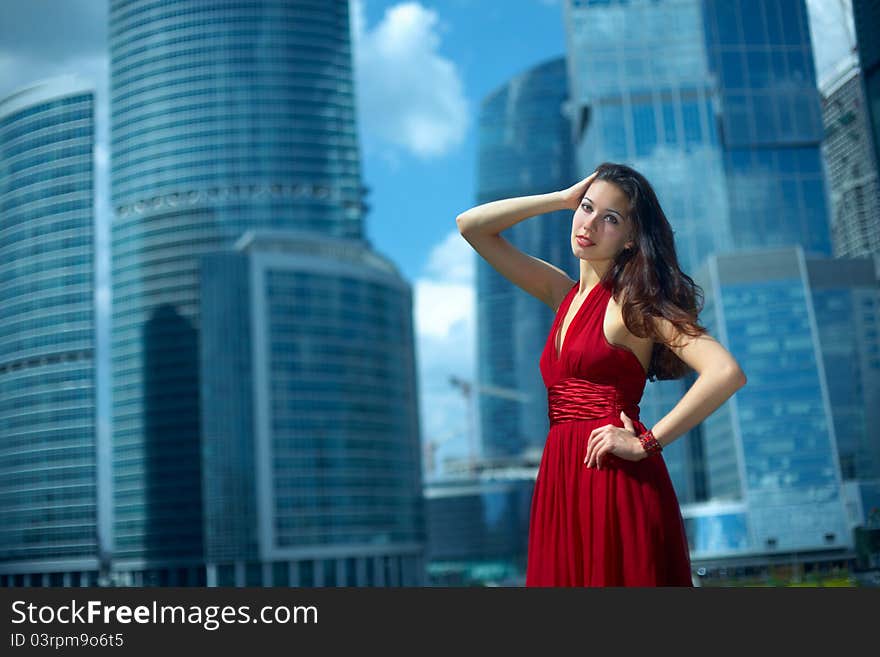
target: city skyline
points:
(236, 163)
(427, 171)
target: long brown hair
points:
(649, 274)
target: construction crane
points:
(432, 445)
(468, 388)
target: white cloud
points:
(440, 306)
(445, 321)
(445, 294)
(832, 32)
(452, 260)
(409, 96)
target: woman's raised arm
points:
(481, 227)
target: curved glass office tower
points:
(525, 148)
(310, 422)
(227, 117)
(48, 452)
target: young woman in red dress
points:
(604, 511)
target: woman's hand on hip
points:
(623, 442)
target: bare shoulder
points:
(617, 326)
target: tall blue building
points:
(770, 122)
(848, 150)
(226, 117)
(805, 328)
(310, 453)
(866, 16)
(725, 122)
(524, 148)
(650, 101)
(50, 533)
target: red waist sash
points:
(579, 399)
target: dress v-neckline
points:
(556, 333)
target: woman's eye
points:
(610, 217)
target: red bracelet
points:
(650, 443)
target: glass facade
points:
(650, 101)
(717, 529)
(725, 122)
(644, 99)
(48, 449)
(770, 122)
(866, 15)
(309, 410)
(852, 169)
(524, 149)
(778, 447)
(478, 528)
(225, 117)
(846, 300)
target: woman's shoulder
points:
(617, 302)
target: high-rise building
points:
(309, 416)
(805, 329)
(770, 123)
(725, 122)
(852, 169)
(866, 16)
(524, 149)
(650, 101)
(226, 117)
(478, 527)
(642, 98)
(51, 521)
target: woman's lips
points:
(584, 241)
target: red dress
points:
(618, 526)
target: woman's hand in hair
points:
(573, 195)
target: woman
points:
(604, 511)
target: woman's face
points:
(602, 217)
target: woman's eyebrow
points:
(587, 198)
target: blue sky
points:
(431, 64)
(422, 69)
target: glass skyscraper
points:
(852, 170)
(805, 329)
(309, 415)
(648, 100)
(524, 149)
(642, 98)
(725, 122)
(770, 122)
(49, 503)
(866, 15)
(226, 117)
